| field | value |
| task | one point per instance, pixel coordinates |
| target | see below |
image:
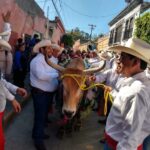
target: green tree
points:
(96, 37)
(67, 39)
(79, 34)
(143, 27)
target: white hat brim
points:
(119, 48)
(42, 43)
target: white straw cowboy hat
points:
(42, 43)
(5, 45)
(135, 47)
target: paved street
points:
(18, 134)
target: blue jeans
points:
(40, 103)
(106, 147)
(146, 143)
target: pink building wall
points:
(21, 21)
(58, 31)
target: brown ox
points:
(74, 75)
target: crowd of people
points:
(126, 76)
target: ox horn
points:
(53, 65)
(97, 69)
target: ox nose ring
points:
(69, 114)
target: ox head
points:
(73, 76)
(72, 93)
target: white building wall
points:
(134, 13)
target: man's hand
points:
(16, 106)
(22, 92)
(107, 88)
(91, 78)
(6, 17)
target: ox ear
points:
(53, 65)
(97, 69)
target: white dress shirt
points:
(128, 121)
(54, 60)
(43, 76)
(5, 89)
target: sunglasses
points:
(122, 56)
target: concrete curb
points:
(11, 115)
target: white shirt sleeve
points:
(12, 88)
(5, 94)
(134, 112)
(9, 96)
(102, 76)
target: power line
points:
(82, 14)
(60, 3)
(64, 15)
(44, 4)
(76, 11)
(57, 11)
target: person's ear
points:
(136, 61)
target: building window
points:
(111, 37)
(128, 28)
(118, 34)
(51, 30)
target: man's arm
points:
(14, 89)
(39, 71)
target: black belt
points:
(37, 90)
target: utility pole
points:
(92, 28)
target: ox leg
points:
(69, 127)
(59, 98)
(61, 132)
(77, 122)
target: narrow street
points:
(18, 134)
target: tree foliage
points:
(67, 39)
(96, 37)
(76, 34)
(79, 34)
(82, 35)
(143, 27)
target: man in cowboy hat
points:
(128, 121)
(41, 78)
(55, 58)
